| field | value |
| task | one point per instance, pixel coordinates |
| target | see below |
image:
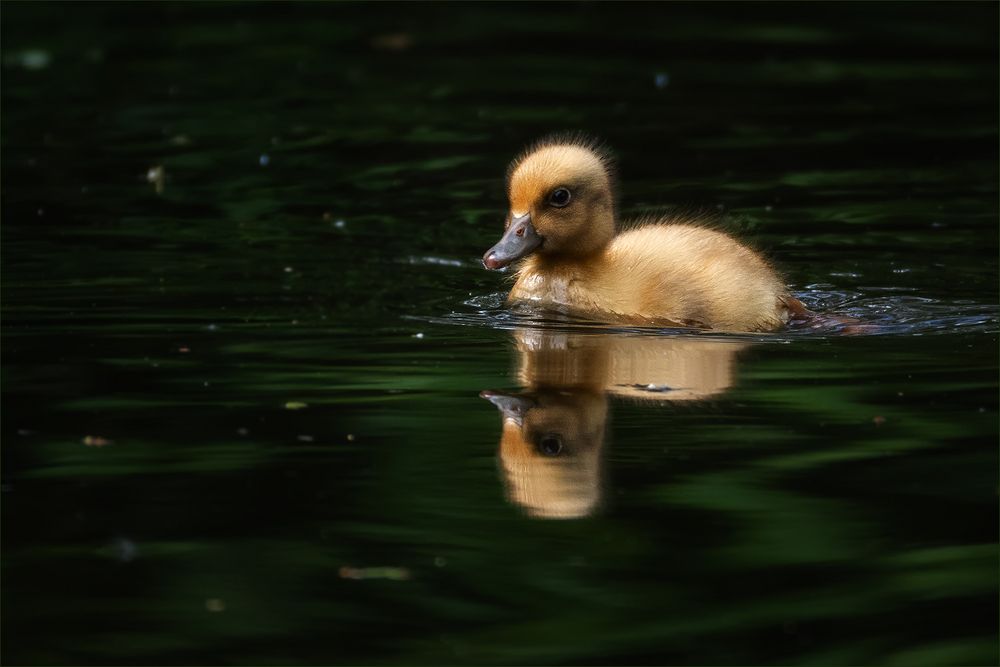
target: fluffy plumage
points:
(668, 270)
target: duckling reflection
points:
(550, 449)
(553, 432)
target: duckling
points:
(562, 223)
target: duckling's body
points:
(665, 271)
(662, 272)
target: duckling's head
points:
(561, 202)
(550, 449)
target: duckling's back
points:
(696, 275)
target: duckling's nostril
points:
(520, 231)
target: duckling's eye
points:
(559, 197)
(550, 445)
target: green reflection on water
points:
(832, 499)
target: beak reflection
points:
(511, 406)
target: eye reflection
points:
(550, 445)
(554, 430)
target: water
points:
(245, 333)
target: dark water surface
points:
(245, 330)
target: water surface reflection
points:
(554, 430)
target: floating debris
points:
(296, 405)
(878, 420)
(120, 549)
(359, 573)
(29, 59)
(306, 438)
(264, 159)
(418, 335)
(215, 605)
(243, 431)
(158, 177)
(395, 42)
(350, 437)
(124, 550)
(661, 80)
(184, 349)
(658, 388)
(96, 441)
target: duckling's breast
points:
(545, 289)
(589, 288)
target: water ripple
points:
(868, 312)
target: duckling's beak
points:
(511, 407)
(517, 242)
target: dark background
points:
(332, 172)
